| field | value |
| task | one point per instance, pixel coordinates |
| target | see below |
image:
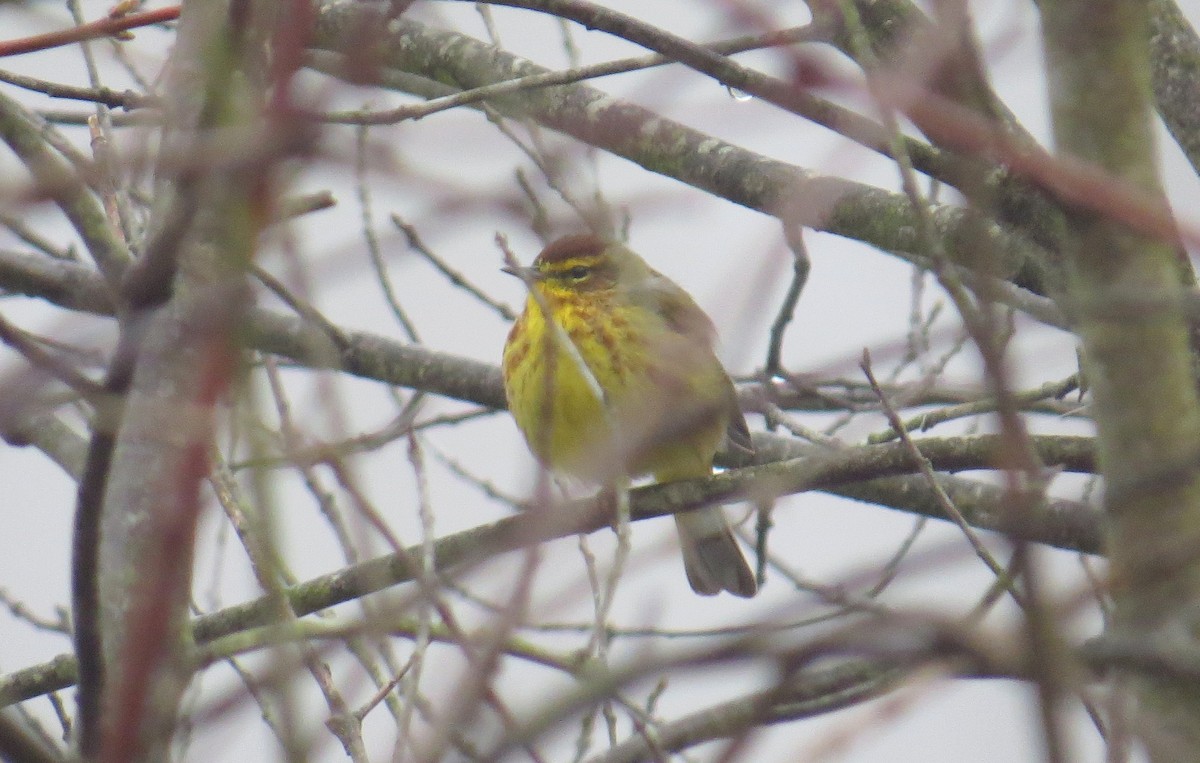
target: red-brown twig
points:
(104, 27)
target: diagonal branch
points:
(470, 547)
(105, 27)
(794, 195)
(374, 357)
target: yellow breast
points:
(642, 374)
(558, 405)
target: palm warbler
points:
(622, 381)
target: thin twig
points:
(926, 421)
(926, 469)
(26, 344)
(101, 28)
(60, 624)
(565, 77)
(892, 567)
(372, 241)
(800, 268)
(18, 228)
(458, 279)
(304, 309)
(113, 193)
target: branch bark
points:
(1139, 365)
(794, 195)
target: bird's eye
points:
(578, 273)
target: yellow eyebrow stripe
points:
(571, 262)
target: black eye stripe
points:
(579, 271)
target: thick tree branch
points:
(375, 357)
(1175, 75)
(797, 197)
(454, 552)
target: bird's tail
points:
(711, 556)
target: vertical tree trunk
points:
(183, 300)
(1123, 291)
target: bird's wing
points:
(683, 316)
(675, 306)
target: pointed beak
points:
(528, 275)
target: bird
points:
(610, 374)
